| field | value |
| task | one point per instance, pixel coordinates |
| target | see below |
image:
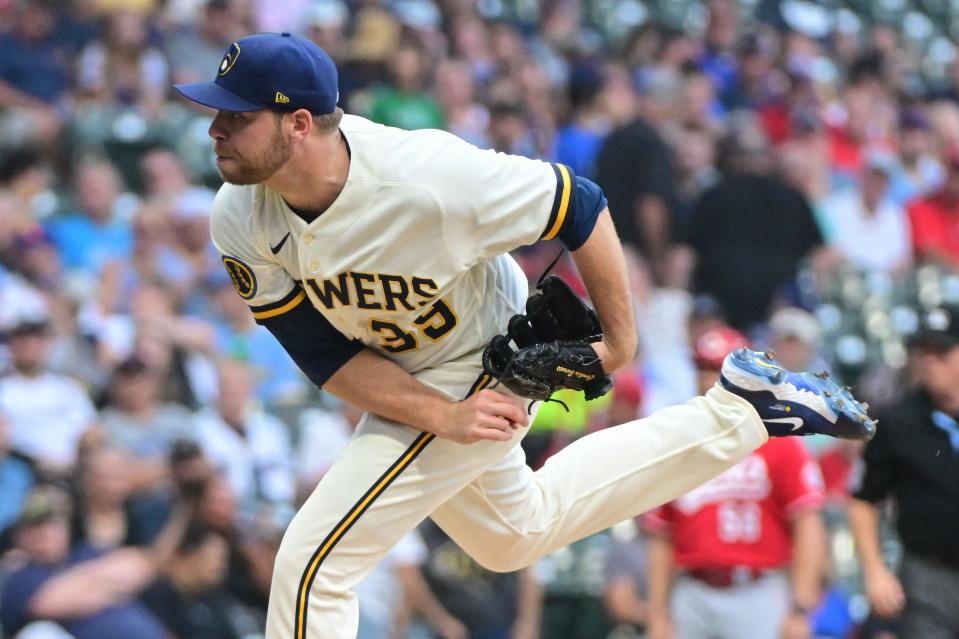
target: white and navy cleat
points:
(795, 403)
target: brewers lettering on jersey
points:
(379, 259)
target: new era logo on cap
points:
(278, 71)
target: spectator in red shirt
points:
(740, 556)
(935, 219)
(837, 465)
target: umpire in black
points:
(914, 460)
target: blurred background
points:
(785, 168)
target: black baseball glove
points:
(552, 346)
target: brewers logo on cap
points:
(230, 59)
(242, 275)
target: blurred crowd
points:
(785, 170)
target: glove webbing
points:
(521, 329)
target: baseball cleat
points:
(795, 403)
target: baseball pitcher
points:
(379, 259)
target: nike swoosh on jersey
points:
(795, 421)
(276, 249)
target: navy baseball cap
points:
(278, 71)
(938, 329)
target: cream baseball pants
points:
(391, 477)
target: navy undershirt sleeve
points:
(317, 348)
(587, 203)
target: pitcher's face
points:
(249, 147)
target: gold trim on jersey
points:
(289, 306)
(564, 190)
(361, 506)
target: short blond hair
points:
(328, 121)
(324, 122)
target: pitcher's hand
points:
(486, 414)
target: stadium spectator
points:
(252, 543)
(136, 421)
(239, 337)
(17, 478)
(200, 46)
(405, 103)
(396, 591)
(326, 23)
(635, 169)
(38, 261)
(121, 68)
(94, 234)
(867, 210)
(508, 130)
(250, 446)
(102, 488)
(920, 172)
(934, 237)
(573, 586)
(578, 141)
(178, 347)
(189, 597)
(838, 465)
(111, 510)
(154, 260)
(717, 58)
(756, 82)
(26, 180)
(49, 414)
(490, 605)
(625, 594)
(270, 17)
(750, 217)
(741, 555)
(864, 121)
(34, 76)
(322, 434)
(802, 159)
(796, 336)
(455, 91)
(164, 175)
(194, 256)
(695, 157)
(91, 594)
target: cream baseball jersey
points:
(410, 258)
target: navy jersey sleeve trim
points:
(588, 203)
(314, 344)
(562, 201)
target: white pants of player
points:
(755, 610)
(390, 477)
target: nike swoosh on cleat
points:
(276, 249)
(765, 365)
(795, 421)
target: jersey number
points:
(739, 522)
(438, 320)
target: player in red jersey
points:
(739, 557)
